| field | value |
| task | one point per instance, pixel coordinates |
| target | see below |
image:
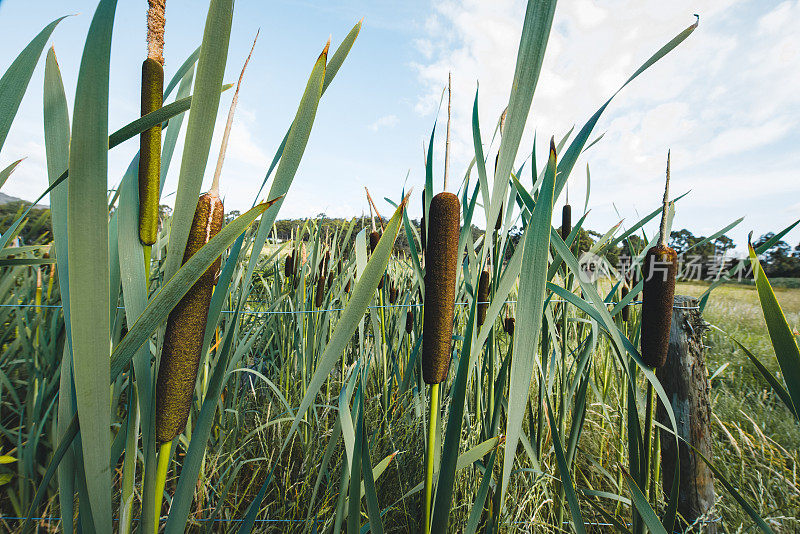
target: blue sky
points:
(726, 101)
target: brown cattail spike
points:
(150, 152)
(566, 221)
(508, 326)
(409, 321)
(659, 270)
(320, 294)
(374, 237)
(393, 294)
(625, 311)
(440, 286)
(186, 325)
(483, 297)
(288, 265)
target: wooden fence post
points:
(685, 381)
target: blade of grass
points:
(780, 333)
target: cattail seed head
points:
(150, 153)
(440, 286)
(393, 293)
(660, 267)
(483, 297)
(566, 221)
(330, 281)
(288, 265)
(374, 237)
(319, 296)
(508, 326)
(186, 325)
(409, 321)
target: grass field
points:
(756, 435)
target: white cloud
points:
(730, 88)
(387, 121)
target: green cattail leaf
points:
(180, 74)
(5, 173)
(200, 127)
(291, 154)
(16, 78)
(375, 524)
(530, 303)
(88, 256)
(480, 159)
(154, 118)
(575, 149)
(532, 45)
(56, 139)
(770, 378)
(646, 511)
(563, 471)
(780, 333)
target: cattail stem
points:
(161, 479)
(447, 137)
(662, 238)
(430, 454)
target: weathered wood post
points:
(685, 380)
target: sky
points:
(726, 101)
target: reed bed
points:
(300, 370)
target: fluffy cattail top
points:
(441, 266)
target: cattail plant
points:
(422, 226)
(288, 265)
(319, 295)
(625, 311)
(409, 321)
(508, 325)
(393, 294)
(566, 221)
(660, 267)
(150, 140)
(186, 325)
(441, 269)
(483, 297)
